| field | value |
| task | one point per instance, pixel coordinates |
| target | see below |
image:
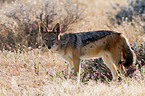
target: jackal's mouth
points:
(49, 47)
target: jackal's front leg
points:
(111, 66)
(76, 61)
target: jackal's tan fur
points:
(73, 47)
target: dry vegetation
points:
(26, 68)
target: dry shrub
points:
(69, 14)
(96, 70)
(140, 54)
(19, 23)
(134, 9)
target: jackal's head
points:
(49, 37)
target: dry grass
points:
(22, 74)
(18, 77)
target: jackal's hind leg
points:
(111, 66)
(116, 59)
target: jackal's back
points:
(83, 38)
(90, 37)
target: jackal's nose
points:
(49, 47)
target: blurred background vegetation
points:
(7, 1)
(19, 20)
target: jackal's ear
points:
(56, 29)
(42, 28)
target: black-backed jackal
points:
(73, 47)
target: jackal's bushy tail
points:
(128, 54)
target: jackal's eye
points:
(52, 40)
